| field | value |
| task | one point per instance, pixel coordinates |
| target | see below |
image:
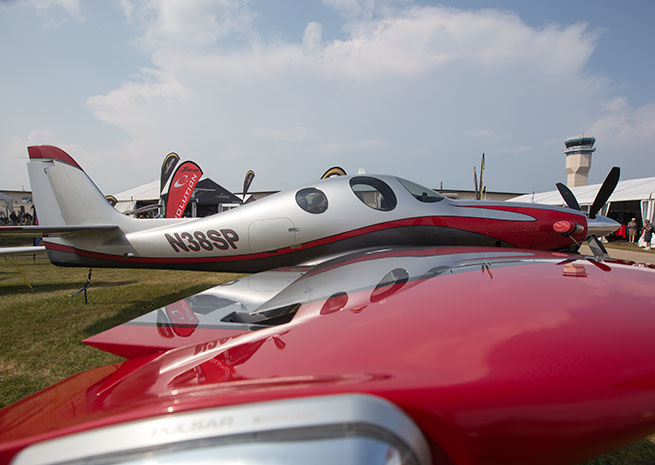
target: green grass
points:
(41, 329)
(624, 245)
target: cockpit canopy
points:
(420, 193)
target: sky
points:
(418, 89)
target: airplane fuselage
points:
(350, 213)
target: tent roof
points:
(630, 189)
(216, 193)
(148, 191)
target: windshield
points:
(420, 193)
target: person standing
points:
(648, 233)
(632, 230)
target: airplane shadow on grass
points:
(72, 286)
(138, 308)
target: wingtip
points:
(50, 152)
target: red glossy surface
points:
(131, 341)
(543, 362)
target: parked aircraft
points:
(385, 354)
(309, 224)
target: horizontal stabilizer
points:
(37, 231)
(21, 250)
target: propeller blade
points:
(605, 191)
(568, 196)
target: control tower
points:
(578, 160)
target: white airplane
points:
(306, 225)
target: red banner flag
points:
(182, 184)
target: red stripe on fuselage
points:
(536, 234)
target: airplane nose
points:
(601, 226)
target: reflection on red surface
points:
(182, 318)
(539, 368)
(164, 328)
(574, 270)
(334, 303)
(221, 367)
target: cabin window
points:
(312, 200)
(373, 192)
(420, 193)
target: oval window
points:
(373, 192)
(312, 200)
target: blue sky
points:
(291, 88)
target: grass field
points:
(41, 329)
(624, 245)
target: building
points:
(16, 201)
(578, 160)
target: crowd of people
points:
(15, 219)
(635, 232)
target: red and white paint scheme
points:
(329, 217)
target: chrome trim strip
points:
(354, 411)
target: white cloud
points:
(14, 156)
(143, 105)
(403, 83)
(311, 39)
(180, 23)
(626, 133)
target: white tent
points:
(642, 189)
(146, 192)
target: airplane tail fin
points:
(63, 193)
